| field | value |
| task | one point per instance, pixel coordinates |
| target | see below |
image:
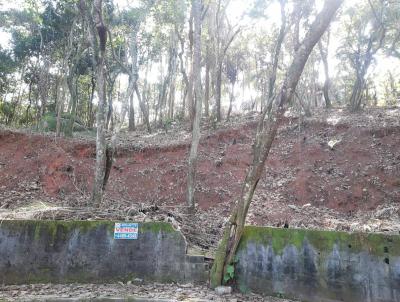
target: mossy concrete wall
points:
(86, 251)
(319, 266)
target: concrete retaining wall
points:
(313, 266)
(86, 251)
(319, 266)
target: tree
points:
(7, 67)
(233, 65)
(97, 32)
(132, 22)
(196, 67)
(74, 56)
(275, 58)
(324, 56)
(224, 36)
(366, 31)
(265, 135)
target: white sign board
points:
(126, 231)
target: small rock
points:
(332, 143)
(138, 280)
(385, 213)
(34, 186)
(366, 228)
(218, 162)
(223, 290)
(187, 285)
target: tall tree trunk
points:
(110, 91)
(275, 59)
(356, 94)
(218, 84)
(266, 132)
(60, 103)
(98, 42)
(131, 125)
(183, 71)
(72, 87)
(29, 99)
(144, 109)
(196, 67)
(90, 120)
(43, 85)
(71, 81)
(207, 84)
(135, 78)
(362, 65)
(327, 82)
(171, 71)
(231, 98)
(171, 98)
(99, 187)
(218, 87)
(191, 99)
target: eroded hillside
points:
(337, 171)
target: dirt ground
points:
(335, 171)
(169, 292)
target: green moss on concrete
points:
(156, 227)
(56, 228)
(279, 238)
(53, 234)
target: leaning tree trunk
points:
(275, 59)
(265, 135)
(191, 183)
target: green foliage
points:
(230, 271)
(34, 29)
(167, 124)
(7, 67)
(7, 111)
(229, 274)
(170, 12)
(49, 122)
(259, 8)
(391, 86)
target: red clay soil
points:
(361, 172)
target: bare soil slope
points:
(354, 185)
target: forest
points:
(211, 113)
(48, 76)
